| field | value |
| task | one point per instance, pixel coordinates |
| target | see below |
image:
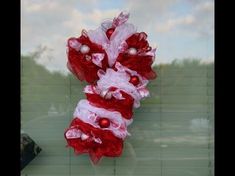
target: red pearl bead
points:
(109, 32)
(134, 80)
(104, 122)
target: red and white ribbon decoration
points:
(116, 61)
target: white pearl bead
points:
(84, 49)
(84, 136)
(132, 51)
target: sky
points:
(177, 28)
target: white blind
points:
(172, 133)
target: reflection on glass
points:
(172, 132)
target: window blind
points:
(172, 133)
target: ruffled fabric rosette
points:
(116, 61)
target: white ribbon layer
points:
(91, 114)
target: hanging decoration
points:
(116, 61)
